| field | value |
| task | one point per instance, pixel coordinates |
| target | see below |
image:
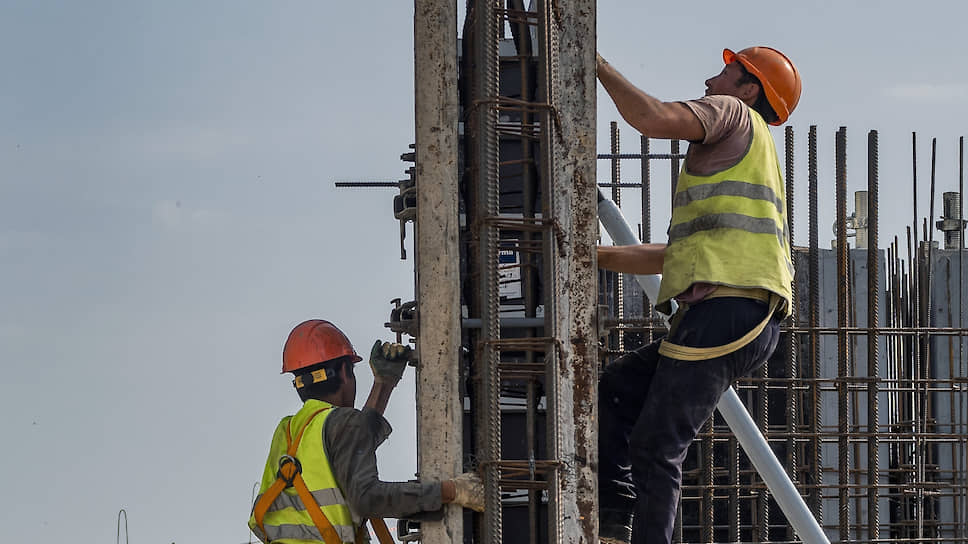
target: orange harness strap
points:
(380, 528)
(319, 518)
(290, 474)
(265, 501)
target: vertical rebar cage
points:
(528, 282)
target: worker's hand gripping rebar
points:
(469, 491)
(388, 361)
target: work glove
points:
(469, 491)
(388, 361)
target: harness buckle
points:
(295, 470)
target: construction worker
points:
(727, 263)
(320, 482)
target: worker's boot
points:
(614, 526)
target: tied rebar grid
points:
(488, 31)
(546, 72)
(875, 411)
(517, 362)
(519, 19)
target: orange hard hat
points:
(313, 342)
(780, 78)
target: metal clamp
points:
(297, 469)
(405, 203)
(408, 530)
(403, 320)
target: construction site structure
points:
(515, 195)
(864, 402)
(866, 399)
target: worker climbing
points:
(727, 264)
(320, 482)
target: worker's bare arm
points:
(634, 259)
(379, 396)
(647, 114)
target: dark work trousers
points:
(652, 407)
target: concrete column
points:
(574, 207)
(439, 406)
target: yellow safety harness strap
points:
(686, 353)
(290, 474)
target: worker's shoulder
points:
(719, 108)
(348, 419)
(719, 100)
(729, 131)
(342, 414)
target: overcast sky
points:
(167, 215)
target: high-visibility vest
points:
(730, 228)
(287, 520)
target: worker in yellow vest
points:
(728, 265)
(320, 482)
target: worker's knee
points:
(661, 435)
(621, 396)
(654, 447)
(631, 374)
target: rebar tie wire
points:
(516, 104)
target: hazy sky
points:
(167, 214)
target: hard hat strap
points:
(316, 376)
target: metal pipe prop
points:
(730, 406)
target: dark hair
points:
(321, 389)
(762, 105)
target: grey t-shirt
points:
(729, 133)
(351, 438)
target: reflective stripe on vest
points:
(347, 533)
(759, 225)
(730, 228)
(287, 517)
(324, 497)
(728, 187)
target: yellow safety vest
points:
(287, 520)
(730, 228)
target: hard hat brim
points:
(351, 358)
